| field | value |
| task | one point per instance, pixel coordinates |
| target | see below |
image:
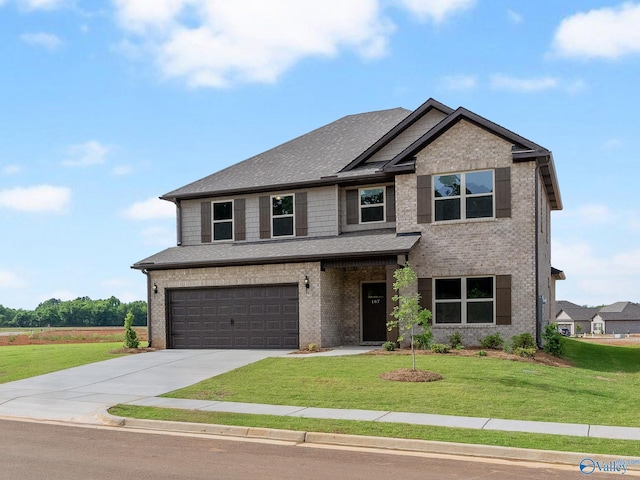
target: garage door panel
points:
(234, 317)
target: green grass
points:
(24, 361)
(624, 448)
(602, 388)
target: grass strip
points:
(623, 448)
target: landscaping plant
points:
(553, 340)
(130, 335)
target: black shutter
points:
(265, 217)
(424, 199)
(353, 213)
(503, 299)
(239, 228)
(503, 192)
(425, 289)
(300, 209)
(205, 222)
(391, 203)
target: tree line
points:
(81, 312)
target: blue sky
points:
(104, 106)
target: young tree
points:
(130, 335)
(408, 314)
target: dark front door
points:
(374, 312)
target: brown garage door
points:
(234, 317)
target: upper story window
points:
(464, 195)
(223, 220)
(282, 215)
(372, 206)
(467, 300)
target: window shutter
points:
(239, 229)
(424, 199)
(265, 217)
(205, 222)
(503, 299)
(300, 209)
(425, 289)
(353, 215)
(503, 192)
(390, 202)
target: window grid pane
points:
(466, 195)
(222, 231)
(475, 303)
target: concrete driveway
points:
(80, 394)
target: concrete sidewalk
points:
(82, 394)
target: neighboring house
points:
(569, 316)
(619, 317)
(299, 244)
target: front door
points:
(374, 312)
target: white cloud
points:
(534, 84)
(48, 41)
(11, 169)
(514, 17)
(436, 10)
(609, 32)
(159, 236)
(86, 154)
(210, 43)
(122, 170)
(41, 198)
(42, 4)
(151, 209)
(9, 279)
(460, 82)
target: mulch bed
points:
(408, 375)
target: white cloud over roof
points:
(151, 209)
(40, 198)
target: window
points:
(463, 195)
(223, 220)
(372, 205)
(467, 300)
(282, 216)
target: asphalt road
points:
(37, 451)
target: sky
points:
(107, 105)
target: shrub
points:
(423, 340)
(389, 346)
(130, 335)
(312, 347)
(554, 341)
(524, 340)
(455, 341)
(440, 348)
(493, 342)
(482, 353)
(525, 352)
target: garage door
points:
(234, 317)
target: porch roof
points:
(345, 246)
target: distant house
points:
(299, 244)
(619, 317)
(569, 316)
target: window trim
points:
(463, 301)
(214, 221)
(292, 215)
(377, 205)
(463, 196)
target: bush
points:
(553, 340)
(312, 347)
(440, 348)
(525, 352)
(493, 342)
(130, 335)
(423, 340)
(482, 353)
(524, 340)
(455, 341)
(389, 346)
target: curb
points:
(384, 443)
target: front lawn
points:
(24, 361)
(601, 389)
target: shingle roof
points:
(282, 251)
(320, 153)
(620, 311)
(575, 312)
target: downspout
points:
(149, 337)
(540, 162)
(178, 223)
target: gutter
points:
(540, 301)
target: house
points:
(574, 318)
(619, 317)
(298, 245)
